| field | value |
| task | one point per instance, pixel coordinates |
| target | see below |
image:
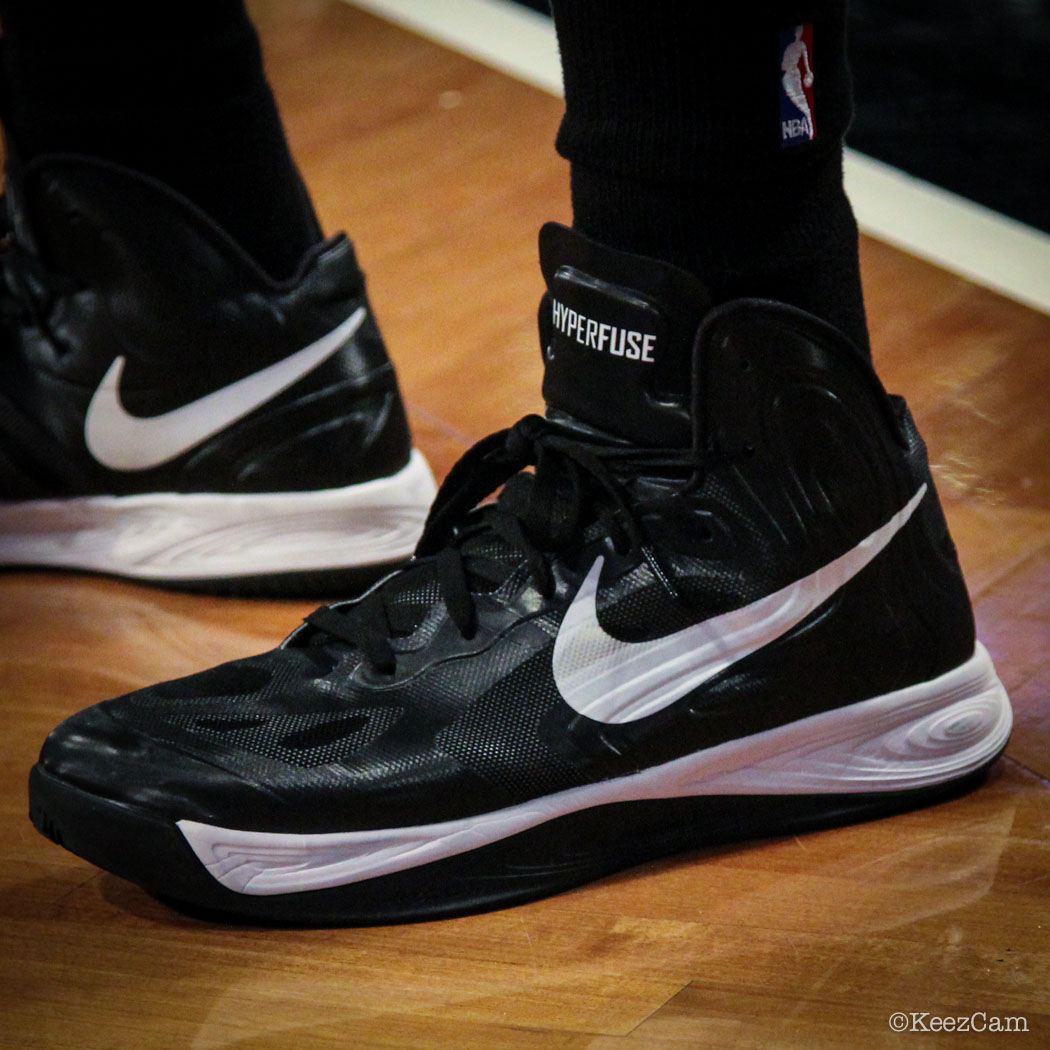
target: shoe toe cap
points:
(98, 752)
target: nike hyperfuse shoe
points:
(170, 413)
(696, 619)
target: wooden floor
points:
(443, 171)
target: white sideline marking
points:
(955, 233)
(506, 36)
(963, 237)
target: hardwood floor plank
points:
(974, 369)
(442, 171)
(1014, 617)
(728, 1019)
(921, 911)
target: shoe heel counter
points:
(385, 437)
(815, 411)
(945, 592)
(357, 400)
(346, 425)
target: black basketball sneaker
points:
(732, 615)
(170, 413)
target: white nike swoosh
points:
(124, 442)
(612, 681)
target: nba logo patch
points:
(797, 120)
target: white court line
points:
(507, 36)
(942, 227)
(951, 231)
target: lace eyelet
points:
(382, 674)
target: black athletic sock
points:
(178, 93)
(685, 144)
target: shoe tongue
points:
(617, 333)
(410, 595)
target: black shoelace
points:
(464, 548)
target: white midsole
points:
(926, 734)
(220, 535)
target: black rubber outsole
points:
(148, 849)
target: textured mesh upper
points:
(305, 740)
